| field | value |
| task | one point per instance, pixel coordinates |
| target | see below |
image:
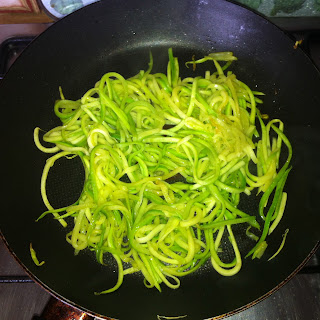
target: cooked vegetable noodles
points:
(281, 245)
(34, 257)
(166, 162)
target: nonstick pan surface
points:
(117, 36)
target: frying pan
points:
(116, 35)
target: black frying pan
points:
(116, 35)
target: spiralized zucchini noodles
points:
(166, 162)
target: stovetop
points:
(22, 299)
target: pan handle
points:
(56, 309)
